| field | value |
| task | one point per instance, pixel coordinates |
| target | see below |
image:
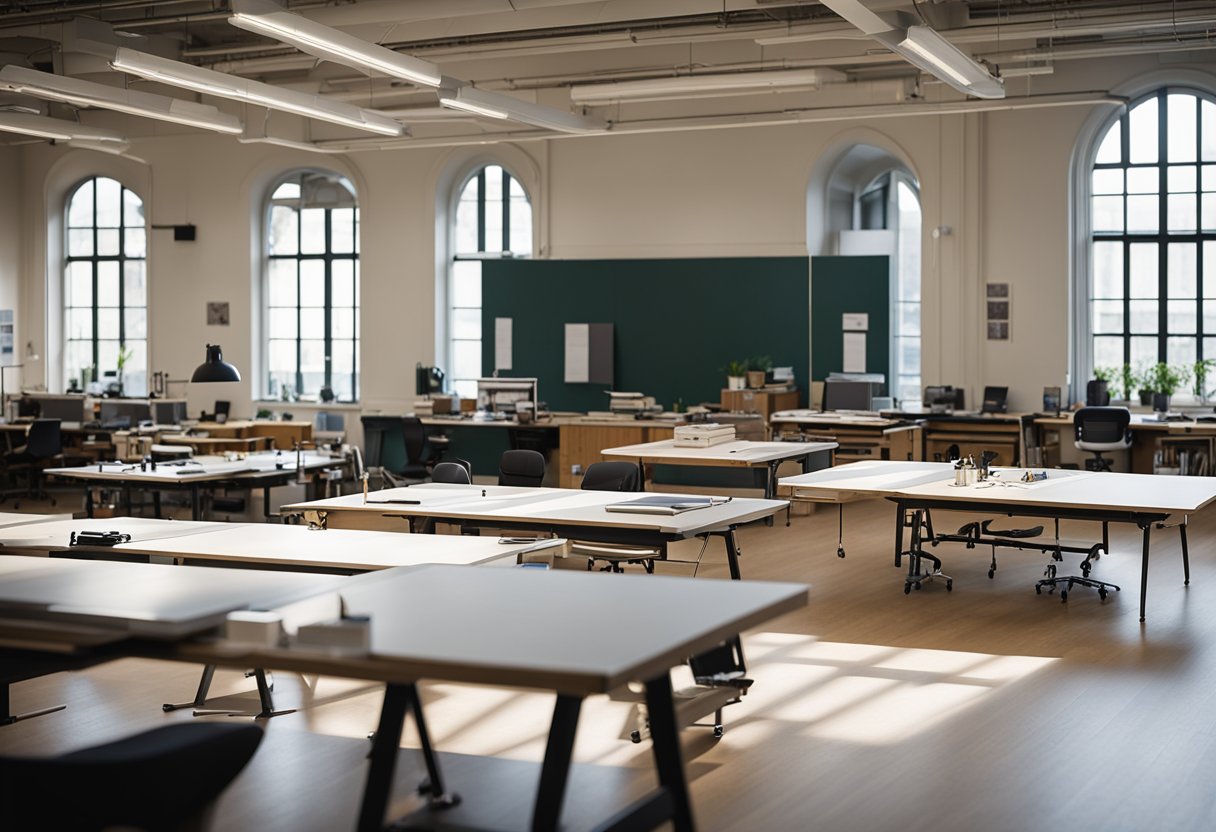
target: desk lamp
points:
(215, 368)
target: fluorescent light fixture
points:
(56, 129)
(209, 82)
(706, 86)
(930, 51)
(89, 94)
(500, 106)
(322, 41)
(923, 47)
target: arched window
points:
(493, 219)
(105, 288)
(312, 288)
(1152, 292)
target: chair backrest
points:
(44, 439)
(413, 433)
(451, 472)
(356, 463)
(383, 441)
(611, 476)
(521, 467)
(222, 409)
(1101, 425)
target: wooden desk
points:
(580, 443)
(282, 435)
(1148, 436)
(858, 437)
(763, 402)
(219, 444)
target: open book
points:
(666, 504)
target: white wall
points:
(998, 180)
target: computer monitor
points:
(945, 399)
(847, 395)
(995, 400)
(168, 412)
(117, 410)
(64, 408)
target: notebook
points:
(666, 504)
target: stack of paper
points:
(703, 435)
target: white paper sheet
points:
(502, 343)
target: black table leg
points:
(439, 797)
(665, 736)
(196, 512)
(156, 503)
(1147, 527)
(88, 501)
(377, 789)
(556, 769)
(732, 553)
(1186, 555)
(899, 534)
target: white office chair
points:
(1101, 429)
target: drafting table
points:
(1139, 499)
(736, 454)
(860, 436)
(499, 629)
(563, 512)
(17, 518)
(263, 471)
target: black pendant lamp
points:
(215, 368)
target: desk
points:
(766, 456)
(971, 432)
(282, 435)
(219, 444)
(563, 512)
(1138, 499)
(498, 629)
(859, 437)
(1148, 436)
(254, 471)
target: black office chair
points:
(166, 778)
(521, 467)
(1101, 429)
(451, 472)
(394, 448)
(614, 476)
(43, 447)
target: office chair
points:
(1100, 429)
(521, 467)
(614, 476)
(394, 447)
(222, 409)
(451, 472)
(166, 778)
(43, 445)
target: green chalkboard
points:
(677, 322)
(850, 284)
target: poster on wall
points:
(998, 305)
(6, 337)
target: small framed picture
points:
(998, 290)
(998, 330)
(217, 313)
(998, 310)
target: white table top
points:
(816, 417)
(200, 470)
(544, 506)
(740, 452)
(54, 535)
(142, 599)
(1063, 488)
(573, 632)
(16, 518)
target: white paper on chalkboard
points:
(854, 352)
(502, 343)
(578, 353)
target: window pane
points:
(135, 290)
(283, 230)
(1108, 352)
(909, 319)
(466, 323)
(107, 323)
(1208, 178)
(494, 240)
(342, 323)
(283, 356)
(312, 283)
(1142, 214)
(342, 230)
(109, 203)
(107, 242)
(132, 210)
(79, 323)
(466, 283)
(1209, 323)
(1181, 351)
(1144, 352)
(282, 323)
(312, 366)
(343, 359)
(79, 354)
(1143, 316)
(1108, 270)
(80, 285)
(343, 283)
(1143, 180)
(1182, 178)
(466, 227)
(312, 231)
(493, 183)
(1209, 271)
(1143, 132)
(107, 283)
(1181, 127)
(521, 229)
(80, 209)
(136, 321)
(1108, 181)
(80, 242)
(1207, 207)
(282, 282)
(288, 190)
(1108, 213)
(1181, 317)
(1143, 264)
(107, 357)
(312, 321)
(1207, 116)
(1107, 316)
(466, 359)
(134, 242)
(1183, 274)
(1182, 213)
(1110, 152)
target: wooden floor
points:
(989, 707)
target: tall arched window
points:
(312, 288)
(493, 219)
(105, 288)
(1152, 296)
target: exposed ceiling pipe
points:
(1072, 53)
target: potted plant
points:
(124, 355)
(736, 375)
(1165, 381)
(1199, 372)
(1129, 381)
(757, 370)
(1097, 392)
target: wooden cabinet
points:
(764, 402)
(579, 444)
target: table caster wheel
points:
(907, 589)
(991, 573)
(917, 585)
(1085, 567)
(718, 732)
(949, 586)
(1038, 590)
(1064, 595)
(839, 551)
(1102, 594)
